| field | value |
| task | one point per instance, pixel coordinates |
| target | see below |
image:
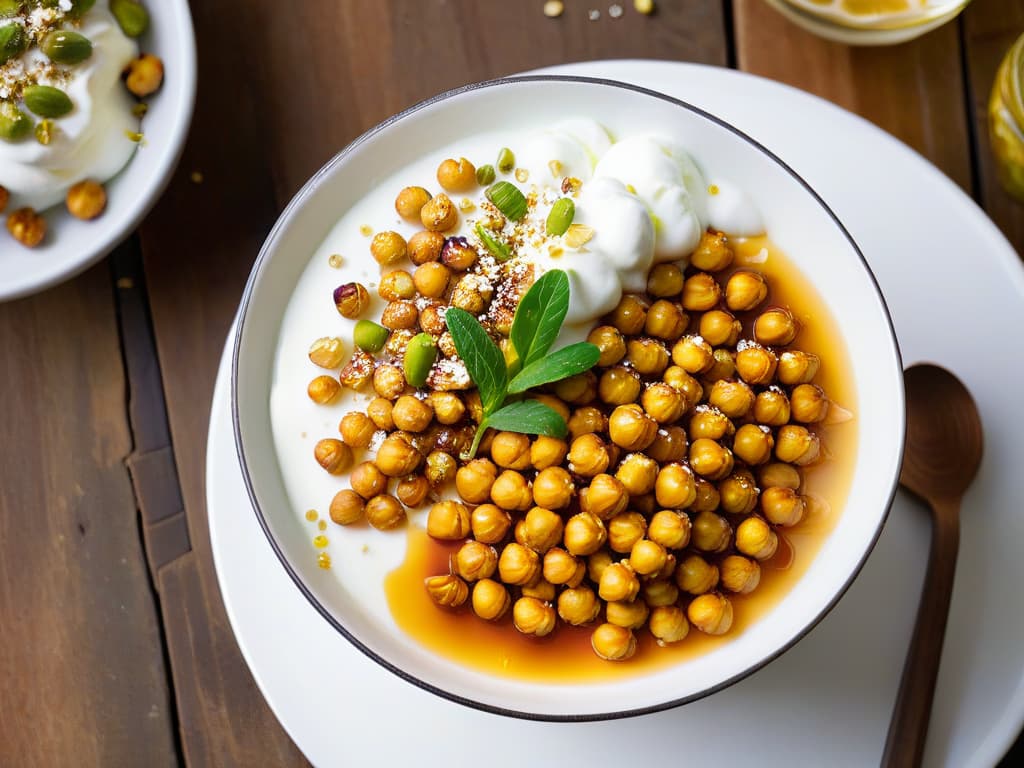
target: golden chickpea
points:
(412, 491)
(533, 617)
(412, 414)
(738, 494)
(379, 410)
(613, 643)
(586, 420)
(323, 389)
(553, 488)
(333, 455)
(425, 247)
(732, 397)
(547, 452)
(389, 382)
(618, 582)
(489, 523)
(448, 591)
(755, 538)
(619, 385)
(796, 445)
(346, 507)
(396, 284)
(458, 255)
(782, 506)
(560, 567)
(710, 459)
(771, 407)
(720, 328)
(511, 450)
(723, 367)
(596, 563)
(541, 529)
(385, 512)
(396, 456)
(578, 606)
(431, 279)
(351, 300)
(638, 474)
(675, 486)
(388, 248)
(467, 295)
(448, 407)
(648, 357)
(631, 614)
(610, 342)
(86, 200)
(647, 557)
(27, 227)
(713, 252)
(659, 592)
(456, 175)
(540, 589)
(439, 214)
(669, 444)
(409, 202)
(367, 480)
(625, 530)
(580, 389)
(668, 624)
(356, 429)
(645, 504)
(518, 565)
(511, 491)
(693, 354)
(707, 498)
(490, 600)
(554, 403)
(630, 315)
(756, 365)
(588, 455)
(665, 279)
(474, 561)
(711, 533)
(448, 521)
(809, 403)
(584, 534)
(144, 75)
(399, 315)
(604, 497)
(696, 575)
(779, 475)
(797, 367)
(710, 423)
(432, 314)
(670, 529)
(745, 290)
(630, 428)
(473, 480)
(701, 292)
(678, 378)
(776, 327)
(666, 320)
(753, 443)
(711, 613)
(663, 402)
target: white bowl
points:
(72, 245)
(798, 221)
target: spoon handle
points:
(904, 746)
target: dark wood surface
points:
(114, 645)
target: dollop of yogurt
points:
(570, 148)
(92, 141)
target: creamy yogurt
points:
(93, 140)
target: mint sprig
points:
(535, 327)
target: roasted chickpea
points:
(490, 599)
(596, 563)
(665, 279)
(412, 414)
(586, 420)
(399, 315)
(676, 377)
(618, 582)
(458, 255)
(396, 456)
(396, 284)
(710, 459)
(667, 570)
(709, 422)
(333, 455)
(696, 575)
(645, 504)
(489, 523)
(779, 475)
(448, 520)
(388, 248)
(86, 200)
(398, 342)
(706, 498)
(796, 445)
(588, 455)
(668, 624)
(808, 403)
(578, 605)
(666, 320)
(448, 590)
(619, 385)
(540, 530)
(385, 512)
(732, 397)
(511, 450)
(448, 407)
(630, 315)
(701, 292)
(693, 354)
(409, 202)
(554, 403)
(144, 75)
(675, 486)
(389, 382)
(771, 407)
(638, 474)
(584, 534)
(631, 614)
(425, 247)
(351, 300)
(659, 592)
(356, 429)
(610, 343)
(670, 529)
(782, 506)
(797, 367)
(647, 557)
(540, 589)
(346, 507)
(713, 252)
(511, 491)
(470, 294)
(631, 428)
(456, 175)
(553, 488)
(711, 613)
(776, 327)
(533, 617)
(723, 367)
(413, 490)
(431, 279)
(719, 328)
(379, 410)
(560, 567)
(577, 390)
(738, 494)
(604, 497)
(473, 480)
(323, 389)
(625, 530)
(518, 565)
(367, 480)
(440, 468)
(474, 561)
(432, 317)
(648, 357)
(755, 538)
(753, 443)
(613, 643)
(755, 364)
(663, 402)
(745, 290)
(711, 532)
(547, 452)
(669, 444)
(439, 213)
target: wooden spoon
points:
(941, 457)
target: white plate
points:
(71, 245)
(956, 290)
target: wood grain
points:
(81, 660)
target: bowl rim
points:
(270, 244)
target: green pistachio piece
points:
(132, 17)
(47, 101)
(506, 160)
(485, 175)
(13, 42)
(420, 354)
(561, 216)
(15, 125)
(369, 336)
(66, 47)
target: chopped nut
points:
(578, 235)
(144, 75)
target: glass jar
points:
(1006, 120)
(869, 22)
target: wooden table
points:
(114, 646)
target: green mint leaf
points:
(539, 316)
(561, 364)
(531, 417)
(483, 359)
